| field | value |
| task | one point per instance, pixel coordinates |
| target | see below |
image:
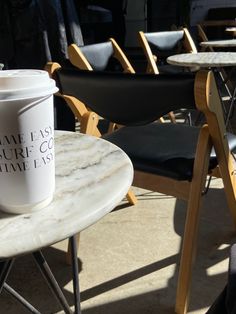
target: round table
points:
(204, 59)
(92, 177)
(224, 43)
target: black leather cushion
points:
(165, 40)
(164, 44)
(162, 148)
(128, 99)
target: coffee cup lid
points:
(25, 83)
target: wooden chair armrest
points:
(121, 57)
(77, 58)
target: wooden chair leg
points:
(172, 117)
(68, 253)
(189, 243)
(131, 197)
(112, 127)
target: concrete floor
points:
(129, 260)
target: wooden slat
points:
(168, 186)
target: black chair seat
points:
(163, 148)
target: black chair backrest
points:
(98, 55)
(165, 40)
(165, 43)
(128, 99)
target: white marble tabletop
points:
(204, 59)
(92, 177)
(224, 43)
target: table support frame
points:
(5, 268)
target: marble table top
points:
(204, 59)
(231, 29)
(219, 43)
(92, 177)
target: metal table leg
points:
(48, 275)
(75, 274)
(20, 299)
(5, 267)
(230, 108)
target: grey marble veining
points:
(92, 177)
(204, 59)
(219, 43)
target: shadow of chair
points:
(173, 159)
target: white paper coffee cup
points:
(27, 167)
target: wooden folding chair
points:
(155, 44)
(173, 159)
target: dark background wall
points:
(162, 14)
